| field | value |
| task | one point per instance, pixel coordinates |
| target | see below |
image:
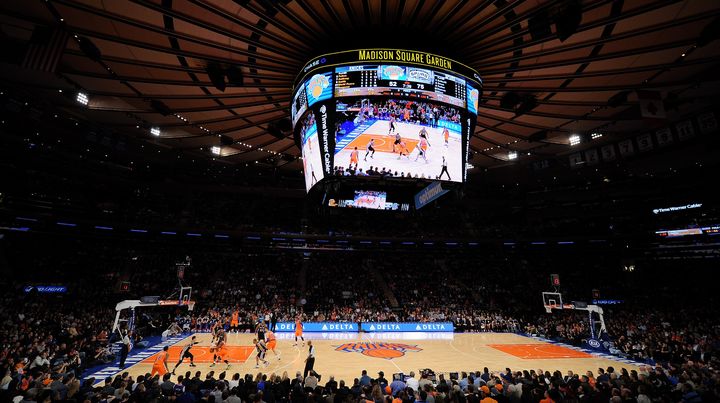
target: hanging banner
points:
(426, 196)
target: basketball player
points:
(173, 330)
(299, 332)
(235, 321)
(446, 135)
(354, 157)
(444, 163)
(260, 330)
(422, 147)
(370, 149)
(261, 350)
(220, 353)
(392, 124)
(185, 353)
(160, 365)
(403, 147)
(398, 139)
(215, 330)
(423, 133)
(271, 343)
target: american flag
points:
(45, 48)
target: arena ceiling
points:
(146, 65)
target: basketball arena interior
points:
(359, 201)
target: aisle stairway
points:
(369, 266)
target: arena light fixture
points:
(216, 150)
(82, 98)
(155, 131)
(574, 140)
(512, 155)
(595, 136)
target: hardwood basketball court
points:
(345, 355)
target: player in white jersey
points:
(185, 353)
(261, 350)
(370, 149)
(392, 124)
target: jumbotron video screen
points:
(397, 113)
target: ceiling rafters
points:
(179, 35)
(224, 119)
(149, 80)
(271, 40)
(598, 41)
(589, 59)
(170, 67)
(511, 37)
(605, 73)
(309, 33)
(609, 88)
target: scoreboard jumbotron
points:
(385, 112)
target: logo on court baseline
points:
(378, 350)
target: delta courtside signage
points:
(325, 327)
(340, 327)
(407, 327)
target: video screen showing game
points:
(371, 199)
(312, 160)
(299, 104)
(398, 138)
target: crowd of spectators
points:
(690, 382)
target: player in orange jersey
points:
(235, 321)
(271, 342)
(220, 350)
(354, 157)
(160, 364)
(299, 332)
(402, 147)
(446, 134)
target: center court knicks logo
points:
(379, 350)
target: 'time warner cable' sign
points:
(676, 208)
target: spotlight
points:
(82, 98)
(155, 131)
(512, 155)
(595, 136)
(574, 140)
(216, 150)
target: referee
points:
(444, 164)
(124, 348)
(310, 360)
